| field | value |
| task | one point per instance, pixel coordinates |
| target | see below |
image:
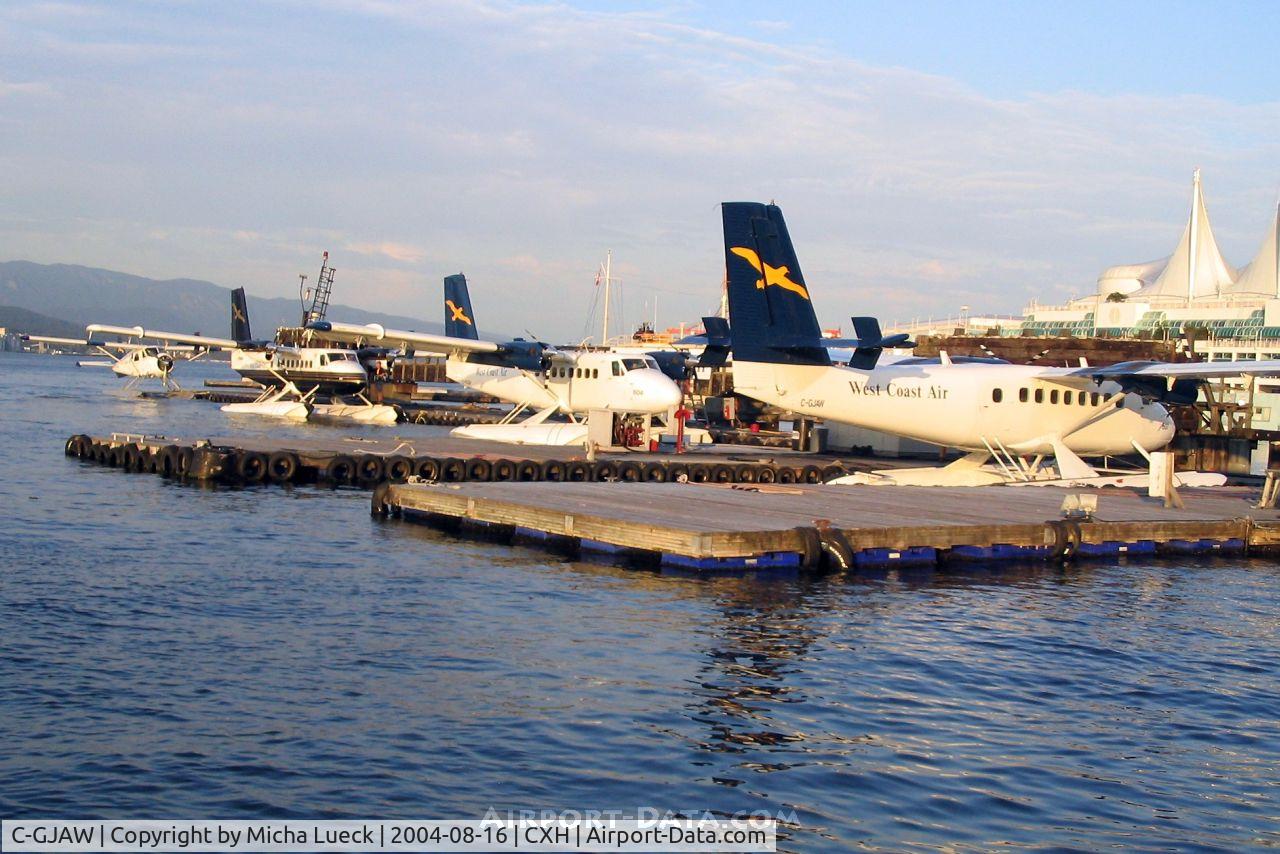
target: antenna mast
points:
(608, 280)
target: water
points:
(177, 652)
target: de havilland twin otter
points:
(1010, 418)
(533, 377)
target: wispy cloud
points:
(519, 141)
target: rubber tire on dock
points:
(833, 471)
(130, 457)
(654, 473)
(399, 469)
(370, 468)
(836, 553)
(252, 466)
(167, 461)
(745, 473)
(528, 470)
(810, 474)
(699, 473)
(606, 470)
(99, 453)
(552, 470)
(282, 466)
(427, 468)
(452, 470)
(766, 474)
(677, 472)
(578, 471)
(630, 471)
(787, 474)
(186, 456)
(504, 470)
(722, 473)
(340, 469)
(479, 470)
(76, 445)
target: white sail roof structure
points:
(1261, 277)
(1127, 278)
(1196, 269)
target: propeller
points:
(165, 361)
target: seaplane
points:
(539, 381)
(1019, 424)
(291, 377)
(130, 360)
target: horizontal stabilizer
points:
(871, 343)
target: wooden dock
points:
(710, 527)
(365, 461)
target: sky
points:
(926, 155)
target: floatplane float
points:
(1019, 424)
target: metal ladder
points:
(320, 295)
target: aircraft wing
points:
(1168, 382)
(375, 333)
(51, 339)
(180, 337)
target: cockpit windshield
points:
(640, 364)
(341, 357)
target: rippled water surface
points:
(176, 652)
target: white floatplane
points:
(1012, 419)
(134, 362)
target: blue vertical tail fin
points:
(240, 331)
(459, 321)
(770, 311)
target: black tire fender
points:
(282, 466)
(252, 466)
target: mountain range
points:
(79, 295)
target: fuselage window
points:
(1119, 403)
(618, 370)
(324, 360)
(1066, 398)
(1039, 395)
(997, 395)
(595, 373)
(1022, 395)
(1084, 398)
(1094, 397)
(1053, 396)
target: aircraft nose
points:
(657, 390)
(1160, 427)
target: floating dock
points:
(718, 527)
(366, 462)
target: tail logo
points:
(777, 276)
(458, 313)
(238, 314)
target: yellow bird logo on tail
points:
(238, 314)
(777, 276)
(457, 312)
